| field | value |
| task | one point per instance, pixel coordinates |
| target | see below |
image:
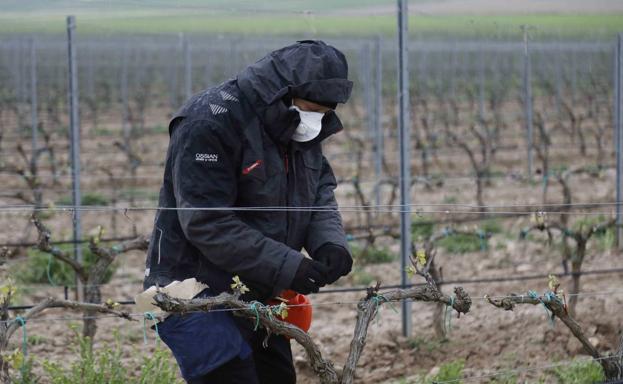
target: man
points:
(244, 172)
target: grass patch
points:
(103, 131)
(461, 243)
(508, 378)
(372, 255)
(139, 194)
(37, 339)
(587, 222)
(450, 200)
(581, 372)
(21, 371)
(105, 365)
(605, 239)
(41, 268)
(449, 371)
(167, 20)
(423, 344)
(421, 228)
(491, 226)
(88, 198)
(361, 277)
(452, 372)
(500, 246)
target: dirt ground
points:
(487, 338)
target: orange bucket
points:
(299, 309)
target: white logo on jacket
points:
(209, 157)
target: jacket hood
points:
(309, 69)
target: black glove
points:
(310, 276)
(336, 258)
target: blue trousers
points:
(217, 347)
(270, 364)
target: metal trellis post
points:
(125, 108)
(405, 163)
(574, 72)
(481, 84)
(74, 124)
(188, 69)
(365, 79)
(378, 121)
(33, 102)
(527, 83)
(558, 78)
(618, 131)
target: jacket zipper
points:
(159, 243)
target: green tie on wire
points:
(254, 308)
(447, 319)
(150, 316)
(380, 299)
(22, 322)
(545, 177)
(534, 295)
(483, 243)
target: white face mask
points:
(309, 127)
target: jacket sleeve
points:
(326, 225)
(205, 176)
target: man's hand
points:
(337, 259)
(310, 276)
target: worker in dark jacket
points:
(251, 188)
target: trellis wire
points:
(501, 279)
(331, 303)
(69, 208)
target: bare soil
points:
(488, 339)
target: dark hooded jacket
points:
(230, 152)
